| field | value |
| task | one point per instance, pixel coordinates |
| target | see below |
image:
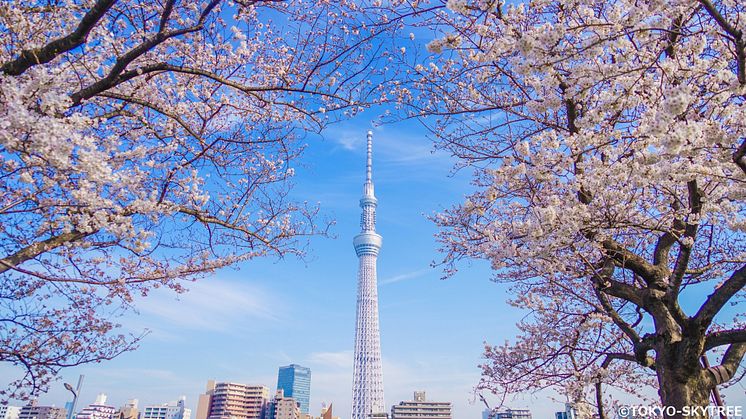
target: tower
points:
(367, 378)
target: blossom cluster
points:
(600, 133)
(145, 143)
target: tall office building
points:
(233, 400)
(569, 412)
(295, 382)
(34, 411)
(171, 410)
(9, 412)
(367, 376)
(420, 408)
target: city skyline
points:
(275, 313)
(272, 314)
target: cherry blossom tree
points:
(144, 143)
(607, 141)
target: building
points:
(420, 408)
(367, 375)
(97, 410)
(283, 407)
(512, 414)
(295, 381)
(326, 412)
(507, 414)
(232, 400)
(9, 412)
(203, 402)
(569, 412)
(34, 411)
(128, 411)
(171, 410)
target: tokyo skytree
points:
(367, 378)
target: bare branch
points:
(719, 298)
(724, 337)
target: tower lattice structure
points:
(367, 379)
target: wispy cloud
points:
(350, 140)
(339, 359)
(404, 277)
(395, 146)
(122, 374)
(211, 305)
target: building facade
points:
(171, 410)
(9, 412)
(128, 411)
(97, 410)
(326, 412)
(233, 401)
(34, 411)
(367, 374)
(283, 407)
(420, 408)
(203, 402)
(508, 414)
(569, 412)
(295, 381)
(512, 414)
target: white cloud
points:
(350, 141)
(404, 276)
(397, 147)
(337, 360)
(212, 304)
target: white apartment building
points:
(171, 410)
(10, 412)
(420, 408)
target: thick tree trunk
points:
(682, 388)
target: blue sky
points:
(242, 324)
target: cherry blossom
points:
(607, 141)
(145, 143)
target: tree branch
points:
(724, 337)
(689, 230)
(629, 260)
(731, 360)
(34, 250)
(113, 78)
(209, 219)
(735, 33)
(633, 336)
(739, 156)
(720, 297)
(45, 54)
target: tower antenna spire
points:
(369, 163)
